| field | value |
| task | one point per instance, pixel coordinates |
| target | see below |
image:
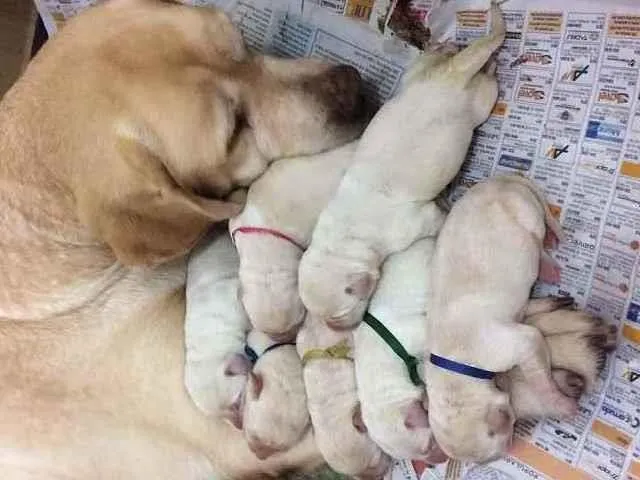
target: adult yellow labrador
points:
(117, 149)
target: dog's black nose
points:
(344, 84)
(340, 89)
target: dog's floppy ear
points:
(138, 209)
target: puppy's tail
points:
(552, 222)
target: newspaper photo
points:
(568, 117)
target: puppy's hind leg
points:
(525, 347)
(433, 218)
(545, 305)
(562, 320)
(527, 403)
(471, 60)
(583, 353)
(434, 55)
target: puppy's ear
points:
(236, 364)
(499, 420)
(356, 419)
(138, 209)
(416, 416)
(234, 415)
(256, 383)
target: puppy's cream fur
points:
(395, 410)
(117, 147)
(215, 327)
(411, 150)
(486, 261)
(288, 199)
(275, 412)
(333, 404)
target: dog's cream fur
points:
(116, 148)
(288, 198)
(486, 261)
(275, 412)
(334, 407)
(216, 327)
(407, 155)
(393, 408)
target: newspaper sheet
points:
(568, 116)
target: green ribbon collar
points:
(410, 361)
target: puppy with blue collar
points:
(389, 350)
(488, 255)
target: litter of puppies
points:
(452, 351)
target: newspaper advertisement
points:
(568, 117)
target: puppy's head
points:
(474, 425)
(275, 409)
(269, 284)
(169, 112)
(417, 440)
(231, 380)
(336, 289)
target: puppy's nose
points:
(341, 90)
(262, 452)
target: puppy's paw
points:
(448, 48)
(537, 306)
(583, 351)
(435, 54)
(602, 340)
(570, 384)
(555, 321)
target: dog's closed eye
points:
(240, 124)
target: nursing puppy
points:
(215, 328)
(394, 405)
(486, 260)
(275, 412)
(333, 403)
(411, 150)
(273, 230)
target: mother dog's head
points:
(166, 112)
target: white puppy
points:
(486, 260)
(391, 391)
(275, 412)
(215, 329)
(411, 150)
(333, 404)
(273, 230)
(392, 399)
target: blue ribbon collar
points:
(461, 368)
